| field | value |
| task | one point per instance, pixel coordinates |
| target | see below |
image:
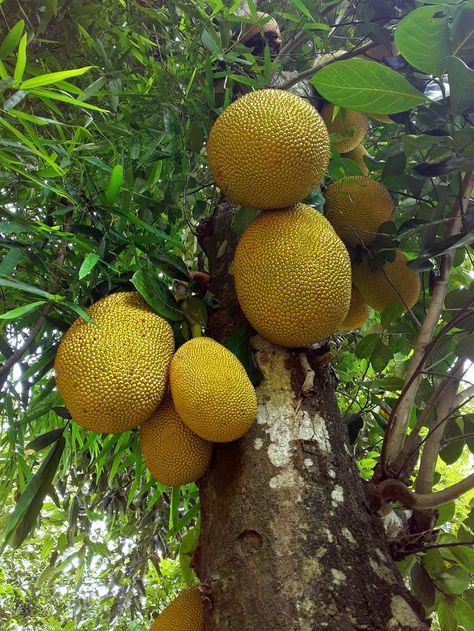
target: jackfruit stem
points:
(196, 330)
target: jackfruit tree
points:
(237, 315)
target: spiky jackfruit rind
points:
(112, 372)
(349, 125)
(184, 613)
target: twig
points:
(396, 490)
(449, 545)
(399, 419)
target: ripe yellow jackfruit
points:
(392, 284)
(358, 314)
(112, 373)
(211, 390)
(356, 206)
(351, 126)
(357, 155)
(293, 276)
(184, 613)
(268, 149)
(172, 452)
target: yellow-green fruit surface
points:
(268, 149)
(357, 206)
(211, 391)
(293, 276)
(351, 125)
(172, 452)
(392, 284)
(382, 118)
(358, 314)
(112, 373)
(357, 155)
(184, 613)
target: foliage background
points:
(102, 175)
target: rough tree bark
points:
(288, 538)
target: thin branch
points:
(453, 544)
(464, 396)
(395, 435)
(395, 490)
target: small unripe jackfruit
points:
(211, 391)
(172, 452)
(393, 283)
(357, 206)
(351, 126)
(358, 313)
(292, 276)
(357, 155)
(184, 613)
(268, 149)
(112, 372)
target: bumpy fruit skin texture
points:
(268, 149)
(184, 613)
(358, 314)
(392, 284)
(112, 374)
(211, 391)
(293, 276)
(357, 206)
(357, 155)
(352, 125)
(172, 452)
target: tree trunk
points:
(288, 539)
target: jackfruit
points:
(292, 276)
(172, 452)
(112, 372)
(211, 390)
(381, 51)
(358, 314)
(351, 126)
(357, 155)
(392, 284)
(268, 149)
(357, 206)
(184, 613)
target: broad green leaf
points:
(21, 60)
(12, 39)
(455, 580)
(115, 183)
(366, 86)
(380, 357)
(156, 293)
(464, 614)
(422, 585)
(13, 314)
(446, 615)
(239, 344)
(172, 265)
(423, 39)
(367, 345)
(463, 34)
(52, 77)
(196, 311)
(461, 82)
(453, 450)
(88, 264)
(28, 507)
(11, 260)
(186, 550)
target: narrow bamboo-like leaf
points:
(21, 59)
(53, 77)
(366, 86)
(88, 264)
(43, 441)
(23, 517)
(423, 39)
(13, 314)
(58, 96)
(156, 293)
(17, 284)
(12, 39)
(115, 183)
(304, 10)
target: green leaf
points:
(172, 265)
(196, 311)
(16, 284)
(13, 314)
(455, 580)
(367, 345)
(21, 59)
(422, 585)
(156, 293)
(28, 507)
(59, 96)
(53, 77)
(463, 34)
(115, 183)
(186, 550)
(423, 39)
(40, 442)
(243, 217)
(464, 614)
(461, 82)
(12, 39)
(239, 344)
(366, 86)
(304, 10)
(380, 357)
(88, 264)
(453, 450)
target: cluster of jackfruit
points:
(119, 371)
(268, 150)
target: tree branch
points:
(395, 435)
(464, 396)
(395, 490)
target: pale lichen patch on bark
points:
(338, 576)
(308, 463)
(314, 429)
(337, 495)
(403, 613)
(348, 535)
(286, 480)
(258, 444)
(382, 572)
